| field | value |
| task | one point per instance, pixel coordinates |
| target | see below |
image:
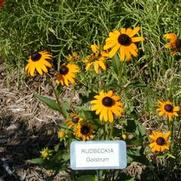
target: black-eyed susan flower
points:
(74, 56)
(159, 141)
(174, 43)
(46, 153)
(123, 41)
(39, 62)
(84, 131)
(107, 105)
(61, 134)
(66, 74)
(97, 59)
(167, 109)
(73, 120)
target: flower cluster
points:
(159, 140)
(103, 113)
(121, 41)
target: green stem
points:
(99, 175)
(111, 130)
(172, 134)
(72, 175)
(106, 127)
(178, 132)
(86, 86)
(63, 112)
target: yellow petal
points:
(122, 53)
(94, 48)
(46, 63)
(39, 70)
(114, 50)
(105, 114)
(32, 71)
(176, 108)
(137, 39)
(110, 116)
(134, 31)
(128, 55)
(66, 81)
(27, 66)
(128, 31)
(170, 36)
(133, 50)
(96, 67)
(109, 44)
(88, 66)
(44, 68)
(123, 30)
(102, 65)
(166, 135)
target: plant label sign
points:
(96, 155)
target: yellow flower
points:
(107, 105)
(73, 57)
(97, 59)
(66, 74)
(84, 131)
(61, 134)
(46, 153)
(167, 109)
(123, 40)
(159, 141)
(38, 62)
(73, 120)
(174, 43)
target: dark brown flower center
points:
(178, 43)
(168, 108)
(63, 70)
(160, 141)
(107, 101)
(35, 57)
(96, 55)
(85, 130)
(124, 39)
(75, 119)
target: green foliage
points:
(86, 177)
(53, 104)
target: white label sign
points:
(92, 155)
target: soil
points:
(26, 126)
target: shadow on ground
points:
(18, 144)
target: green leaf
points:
(140, 159)
(169, 155)
(137, 84)
(56, 147)
(131, 125)
(135, 141)
(135, 152)
(51, 103)
(137, 155)
(38, 161)
(141, 129)
(86, 177)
